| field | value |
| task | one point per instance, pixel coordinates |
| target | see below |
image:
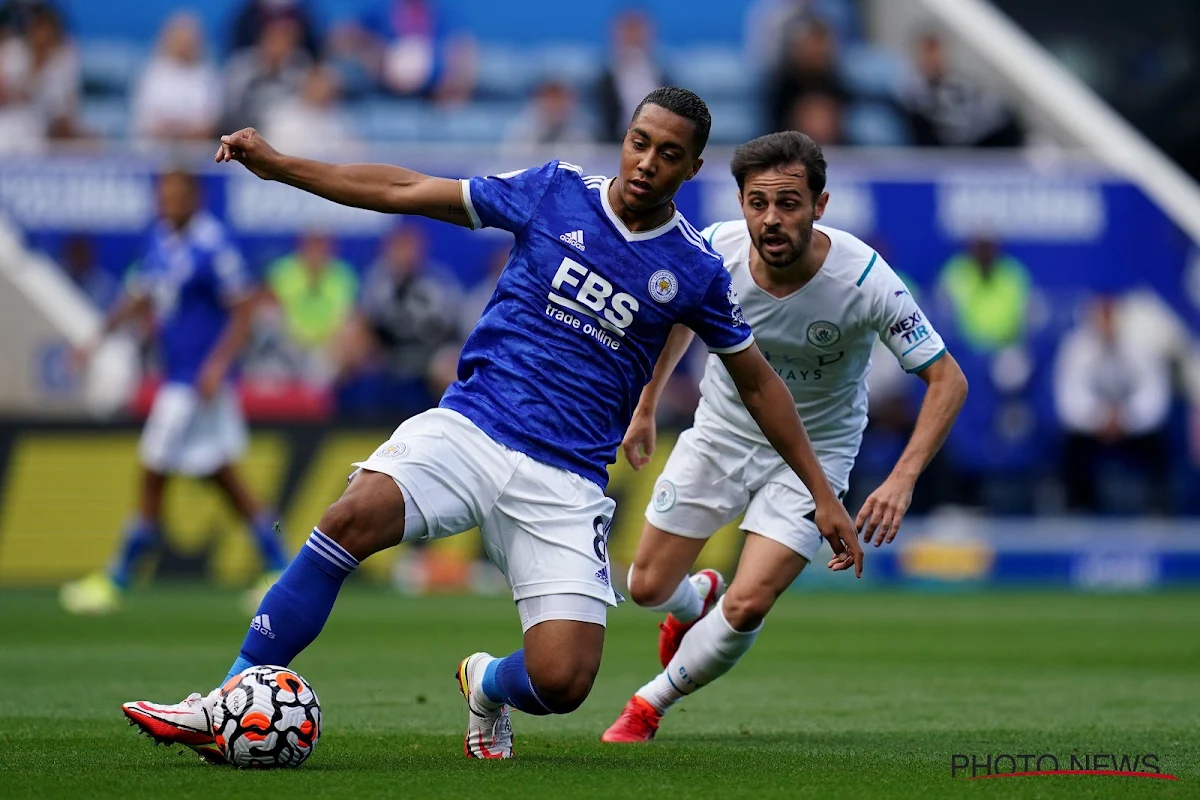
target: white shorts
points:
(184, 436)
(714, 476)
(546, 528)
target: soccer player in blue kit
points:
(194, 283)
(601, 270)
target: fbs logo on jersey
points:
(823, 334)
(597, 309)
(663, 286)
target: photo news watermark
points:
(973, 766)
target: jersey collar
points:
(634, 236)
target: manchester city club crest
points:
(823, 334)
(664, 496)
(663, 286)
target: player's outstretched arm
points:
(377, 187)
(130, 305)
(884, 510)
(768, 400)
(638, 443)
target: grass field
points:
(844, 696)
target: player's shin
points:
(295, 609)
(141, 536)
(506, 682)
(269, 540)
(708, 651)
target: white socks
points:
(686, 603)
(708, 651)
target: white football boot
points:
(188, 723)
(489, 730)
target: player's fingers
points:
(895, 527)
(869, 528)
(879, 529)
(864, 513)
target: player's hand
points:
(210, 380)
(884, 510)
(252, 150)
(638, 443)
(834, 523)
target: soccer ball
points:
(266, 717)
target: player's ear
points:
(696, 165)
(819, 208)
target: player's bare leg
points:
(711, 648)
(100, 592)
(267, 538)
(659, 581)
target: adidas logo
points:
(602, 575)
(262, 624)
(574, 238)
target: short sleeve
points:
(507, 201)
(902, 325)
(717, 319)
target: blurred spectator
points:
(948, 110)
(550, 118)
(255, 14)
(631, 73)
(79, 261)
(770, 25)
(408, 312)
(988, 294)
(818, 114)
(311, 123)
(268, 73)
(315, 292)
(1113, 397)
(410, 49)
(809, 66)
(178, 95)
(39, 82)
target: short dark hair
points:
(683, 103)
(779, 150)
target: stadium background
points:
(992, 509)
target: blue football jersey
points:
(191, 276)
(580, 314)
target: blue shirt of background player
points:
(559, 357)
(192, 277)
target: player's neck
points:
(639, 222)
(782, 281)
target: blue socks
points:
(295, 609)
(506, 681)
(270, 543)
(141, 536)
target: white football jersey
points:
(819, 340)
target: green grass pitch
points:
(845, 695)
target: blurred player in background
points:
(600, 271)
(817, 298)
(194, 284)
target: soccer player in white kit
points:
(817, 298)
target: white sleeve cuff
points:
(465, 185)
(737, 348)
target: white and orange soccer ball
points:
(266, 718)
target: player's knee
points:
(646, 589)
(746, 608)
(353, 524)
(563, 686)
